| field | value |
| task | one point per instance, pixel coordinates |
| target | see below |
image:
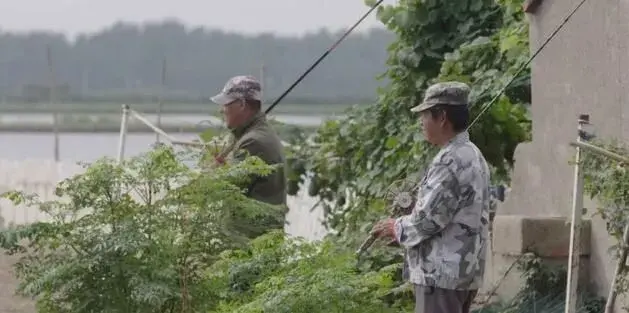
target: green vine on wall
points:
(351, 162)
(607, 181)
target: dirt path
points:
(9, 302)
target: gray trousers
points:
(437, 300)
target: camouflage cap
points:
(239, 87)
(446, 93)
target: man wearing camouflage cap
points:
(446, 234)
(240, 102)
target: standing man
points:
(241, 104)
(446, 235)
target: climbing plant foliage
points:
(351, 162)
(607, 181)
(154, 235)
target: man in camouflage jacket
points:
(446, 234)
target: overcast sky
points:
(286, 17)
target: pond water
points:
(26, 161)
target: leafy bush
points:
(275, 274)
(135, 237)
(351, 162)
(153, 235)
(607, 181)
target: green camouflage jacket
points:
(257, 138)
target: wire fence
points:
(41, 176)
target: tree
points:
(352, 161)
(135, 237)
(125, 61)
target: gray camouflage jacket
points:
(446, 235)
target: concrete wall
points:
(584, 69)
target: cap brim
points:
(222, 99)
(422, 107)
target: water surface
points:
(302, 120)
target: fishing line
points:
(372, 238)
(323, 56)
(231, 147)
(488, 105)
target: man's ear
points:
(442, 119)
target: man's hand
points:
(219, 160)
(384, 229)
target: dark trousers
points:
(437, 300)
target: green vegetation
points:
(156, 236)
(381, 143)
(607, 181)
(136, 237)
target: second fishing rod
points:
(372, 238)
(232, 145)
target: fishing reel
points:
(402, 195)
(213, 136)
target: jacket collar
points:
(460, 138)
(258, 119)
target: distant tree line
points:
(125, 61)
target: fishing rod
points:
(323, 56)
(526, 64)
(372, 238)
(231, 147)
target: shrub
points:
(134, 237)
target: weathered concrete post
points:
(575, 225)
(124, 122)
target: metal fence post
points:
(123, 132)
(575, 225)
